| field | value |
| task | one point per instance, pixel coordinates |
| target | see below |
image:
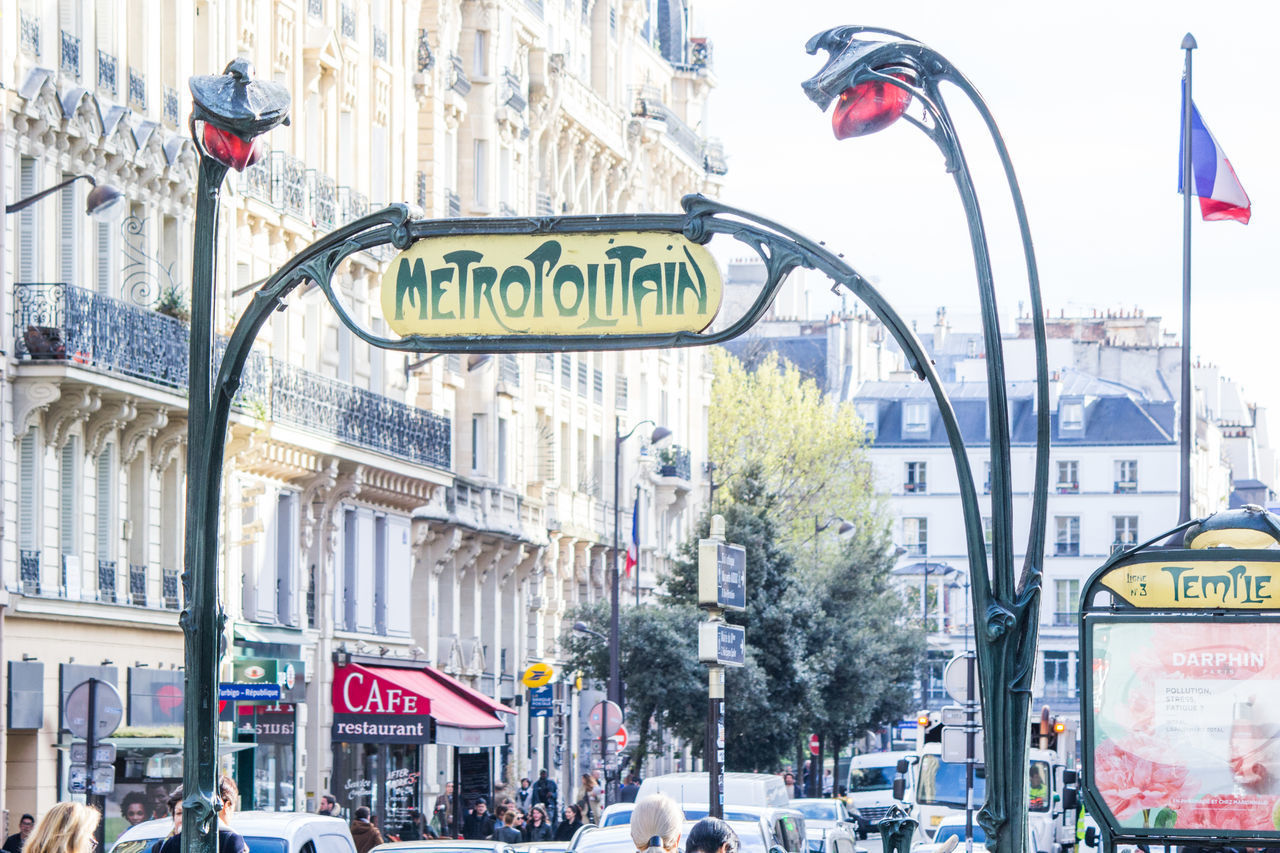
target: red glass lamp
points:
(870, 106)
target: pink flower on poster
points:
(1129, 782)
(1228, 811)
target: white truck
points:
(870, 786)
(939, 786)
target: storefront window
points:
(383, 776)
(265, 773)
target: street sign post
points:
(604, 716)
(232, 691)
(93, 710)
(542, 701)
(815, 744)
(722, 644)
(722, 575)
(722, 585)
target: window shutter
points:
(248, 561)
(286, 562)
(28, 247)
(380, 574)
(106, 505)
(102, 279)
(67, 238)
(364, 569)
(377, 361)
(106, 34)
(344, 353)
(67, 499)
(399, 576)
(27, 499)
(346, 602)
(266, 567)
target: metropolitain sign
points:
(621, 282)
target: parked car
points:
(618, 814)
(617, 839)
(264, 832)
(441, 845)
(541, 846)
(740, 789)
(833, 839)
(950, 835)
(821, 815)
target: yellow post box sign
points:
(599, 283)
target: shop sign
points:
(385, 728)
(368, 709)
(289, 674)
(603, 283)
(268, 724)
(1197, 584)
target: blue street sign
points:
(233, 691)
(542, 701)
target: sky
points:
(1086, 95)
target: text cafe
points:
(382, 717)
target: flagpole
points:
(635, 509)
(1184, 481)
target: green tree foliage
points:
(666, 687)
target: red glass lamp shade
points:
(870, 106)
(230, 150)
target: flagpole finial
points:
(1189, 42)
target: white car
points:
(264, 832)
(949, 835)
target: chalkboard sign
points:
(474, 779)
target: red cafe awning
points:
(378, 701)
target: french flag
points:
(1215, 182)
(633, 547)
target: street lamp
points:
(230, 111)
(104, 201)
(615, 677)
(581, 628)
(877, 75)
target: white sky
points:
(1087, 97)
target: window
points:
(1071, 416)
(915, 418)
(986, 484)
(28, 233)
(104, 253)
(480, 191)
(915, 536)
(935, 668)
(350, 556)
(867, 412)
(986, 532)
(69, 509)
(1068, 477)
(286, 560)
(480, 59)
(501, 473)
(1057, 675)
(1126, 475)
(105, 467)
(68, 239)
(1067, 597)
(380, 574)
(479, 442)
(917, 479)
(1067, 536)
(28, 502)
(1126, 527)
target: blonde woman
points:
(655, 825)
(65, 828)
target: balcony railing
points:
(452, 204)
(29, 571)
(70, 56)
(457, 79)
(513, 94)
(289, 184)
(315, 8)
(107, 77)
(137, 90)
(1126, 486)
(324, 201)
(29, 33)
(380, 44)
(916, 549)
(426, 59)
(349, 21)
(171, 105)
(107, 581)
(58, 322)
(137, 585)
(915, 488)
(648, 104)
(674, 461)
(1068, 488)
(1066, 549)
(713, 159)
(171, 589)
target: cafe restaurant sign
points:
(370, 709)
(599, 283)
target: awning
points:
(369, 700)
(266, 634)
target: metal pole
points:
(1184, 426)
(715, 741)
(203, 619)
(970, 758)
(96, 800)
(634, 508)
(615, 672)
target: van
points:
(740, 789)
(871, 786)
(264, 832)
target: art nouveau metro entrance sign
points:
(614, 282)
(1181, 687)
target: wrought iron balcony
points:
(58, 322)
(648, 104)
(380, 44)
(1068, 488)
(137, 585)
(29, 34)
(1124, 487)
(137, 90)
(315, 8)
(354, 204)
(107, 581)
(915, 488)
(289, 184)
(171, 105)
(426, 59)
(509, 369)
(324, 197)
(457, 79)
(452, 204)
(916, 549)
(713, 159)
(349, 21)
(29, 571)
(513, 91)
(674, 461)
(171, 589)
(107, 67)
(70, 58)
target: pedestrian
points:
(538, 828)
(329, 806)
(828, 783)
(229, 841)
(445, 800)
(416, 828)
(571, 823)
(65, 828)
(13, 844)
(711, 835)
(363, 832)
(630, 789)
(524, 796)
(174, 807)
(506, 832)
(546, 792)
(589, 799)
(478, 824)
(793, 790)
(655, 825)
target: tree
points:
(666, 687)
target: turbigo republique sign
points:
(622, 282)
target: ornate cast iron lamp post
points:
(230, 111)
(876, 75)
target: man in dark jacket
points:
(507, 832)
(13, 844)
(363, 832)
(478, 824)
(545, 792)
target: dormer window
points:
(915, 419)
(1071, 416)
(868, 413)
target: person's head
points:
(448, 788)
(25, 824)
(362, 813)
(789, 778)
(1033, 775)
(655, 823)
(174, 805)
(509, 818)
(537, 815)
(542, 774)
(500, 811)
(711, 835)
(413, 815)
(230, 796)
(524, 783)
(572, 813)
(519, 817)
(65, 828)
(480, 806)
(328, 802)
(134, 808)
